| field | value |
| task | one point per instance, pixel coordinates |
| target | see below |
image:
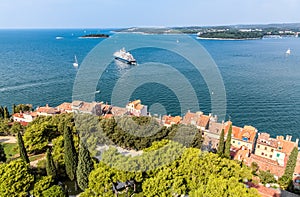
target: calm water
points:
(262, 84)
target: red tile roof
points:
(47, 110)
(264, 191)
(170, 119)
(197, 119)
(286, 146)
(65, 107)
(239, 133)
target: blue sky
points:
(129, 13)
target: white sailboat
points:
(288, 52)
(75, 64)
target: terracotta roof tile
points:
(65, 107)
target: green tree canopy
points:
(43, 184)
(15, 178)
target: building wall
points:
(239, 143)
(265, 151)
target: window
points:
(239, 143)
(266, 148)
(233, 142)
(272, 150)
(262, 153)
(258, 146)
(278, 155)
(270, 156)
(279, 147)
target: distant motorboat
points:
(59, 38)
(98, 91)
(288, 52)
(75, 64)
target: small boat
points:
(288, 52)
(125, 57)
(59, 38)
(98, 91)
(75, 64)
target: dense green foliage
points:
(228, 143)
(190, 171)
(4, 128)
(22, 149)
(70, 155)
(85, 166)
(5, 113)
(50, 167)
(15, 128)
(21, 108)
(54, 191)
(135, 133)
(266, 177)
(2, 154)
(15, 178)
(221, 144)
(218, 186)
(43, 184)
(43, 130)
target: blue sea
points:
(262, 83)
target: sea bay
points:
(262, 83)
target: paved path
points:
(8, 139)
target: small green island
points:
(95, 36)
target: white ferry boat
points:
(125, 56)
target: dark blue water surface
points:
(262, 83)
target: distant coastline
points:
(95, 36)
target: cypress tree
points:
(14, 109)
(85, 166)
(1, 112)
(2, 154)
(5, 113)
(221, 144)
(22, 149)
(291, 164)
(70, 154)
(228, 143)
(50, 167)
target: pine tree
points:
(70, 154)
(5, 113)
(85, 166)
(50, 167)
(2, 154)
(228, 143)
(221, 144)
(22, 149)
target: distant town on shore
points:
(236, 32)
